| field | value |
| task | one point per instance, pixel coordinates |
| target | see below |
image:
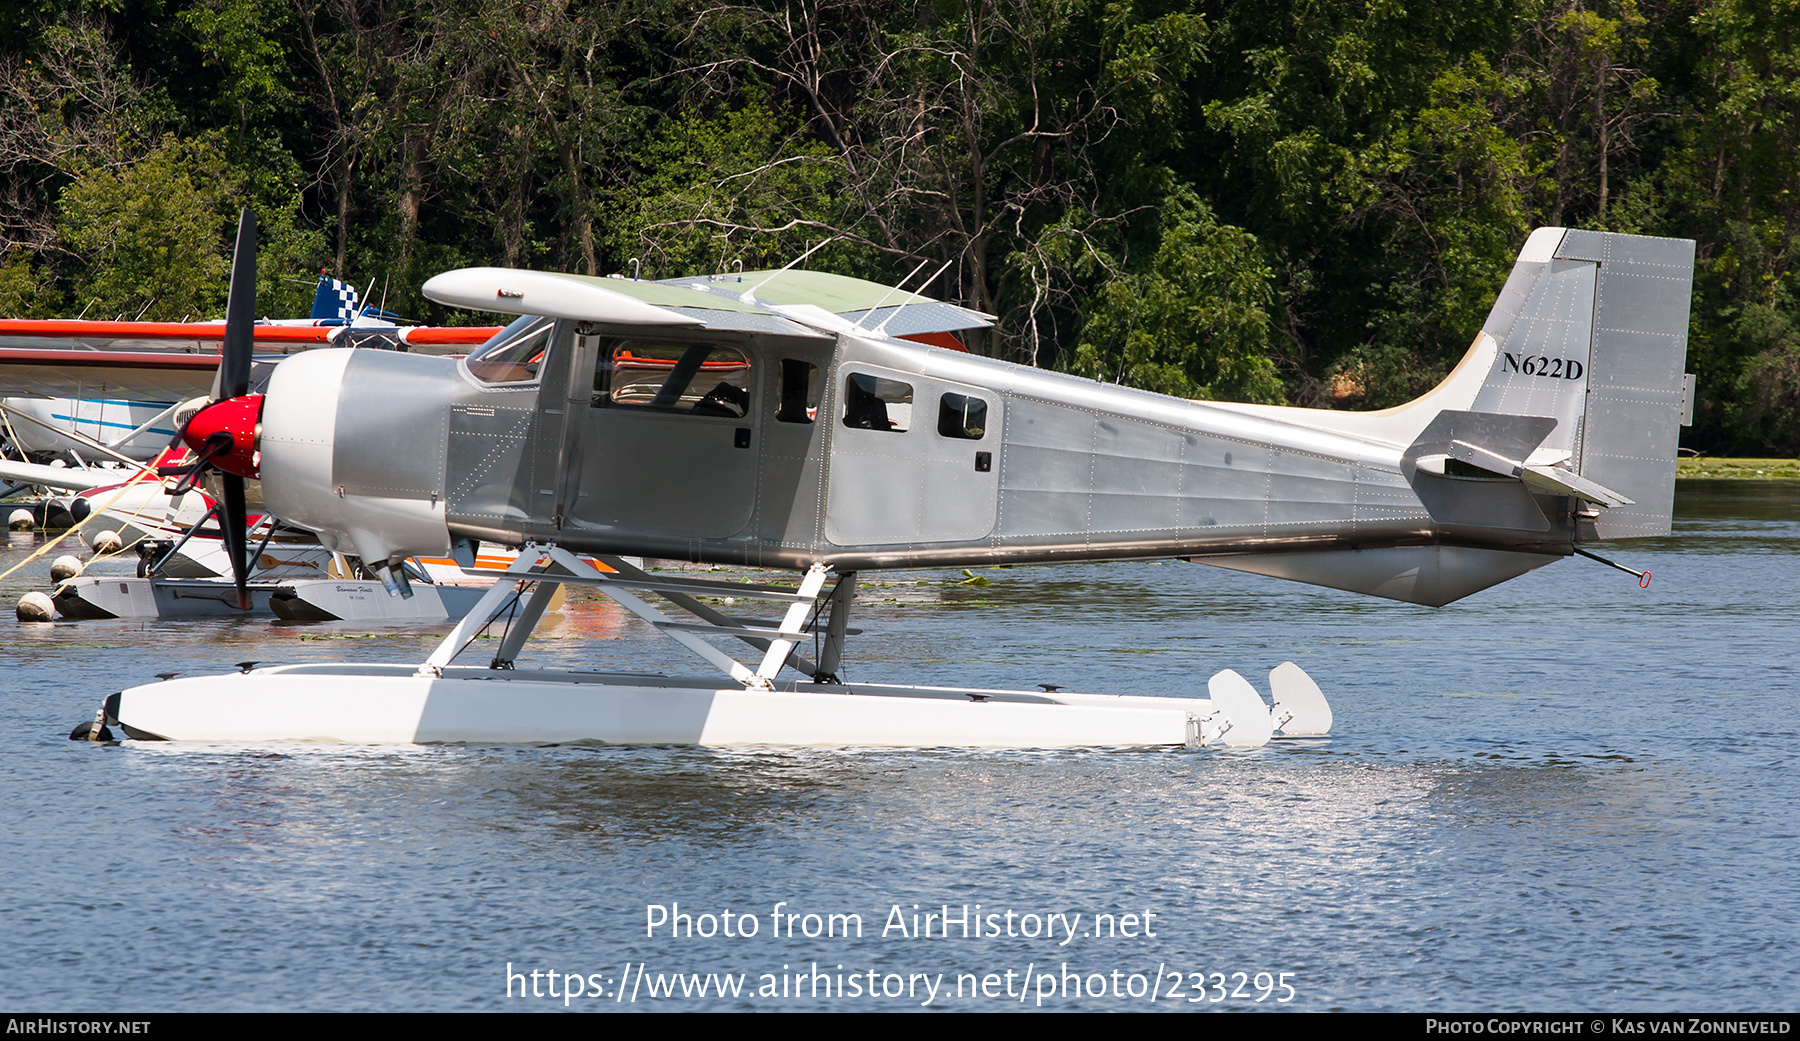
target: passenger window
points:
(513, 354)
(962, 416)
(873, 403)
(698, 378)
(799, 391)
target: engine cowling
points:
(334, 487)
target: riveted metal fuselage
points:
(1064, 468)
(868, 452)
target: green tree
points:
(1731, 180)
(150, 236)
(1453, 194)
(745, 186)
(1194, 322)
(155, 238)
(23, 292)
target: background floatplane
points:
(91, 408)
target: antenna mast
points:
(748, 296)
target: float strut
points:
(522, 626)
(839, 620)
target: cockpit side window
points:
(513, 354)
(701, 379)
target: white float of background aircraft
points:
(112, 392)
(782, 422)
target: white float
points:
(309, 600)
(437, 701)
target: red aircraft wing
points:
(164, 361)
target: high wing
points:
(186, 337)
(785, 302)
(144, 375)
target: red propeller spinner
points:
(225, 434)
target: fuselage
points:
(102, 419)
(862, 452)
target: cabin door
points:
(913, 459)
(671, 445)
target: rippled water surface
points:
(1562, 793)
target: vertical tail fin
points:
(1574, 390)
(1591, 330)
(1638, 396)
(335, 301)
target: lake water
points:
(1562, 793)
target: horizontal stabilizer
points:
(1488, 441)
(1555, 479)
(1566, 482)
(1502, 436)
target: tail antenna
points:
(1643, 577)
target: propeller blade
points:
(232, 528)
(233, 379)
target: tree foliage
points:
(1310, 201)
(1194, 322)
(147, 233)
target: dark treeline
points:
(1311, 201)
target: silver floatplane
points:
(804, 421)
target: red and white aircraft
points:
(109, 396)
(121, 382)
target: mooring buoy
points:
(85, 732)
(36, 607)
(65, 567)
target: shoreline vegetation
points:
(1710, 468)
(1303, 203)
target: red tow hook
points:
(239, 421)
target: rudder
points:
(1638, 397)
(1591, 330)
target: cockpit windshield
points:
(513, 354)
